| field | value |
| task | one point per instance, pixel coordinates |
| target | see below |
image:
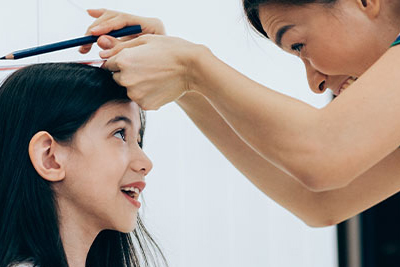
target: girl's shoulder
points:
(22, 264)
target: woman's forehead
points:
(274, 17)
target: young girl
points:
(71, 170)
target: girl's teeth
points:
(131, 189)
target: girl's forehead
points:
(111, 110)
(126, 106)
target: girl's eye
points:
(120, 134)
(297, 47)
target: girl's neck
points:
(77, 236)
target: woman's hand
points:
(155, 69)
(109, 20)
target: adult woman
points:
(70, 157)
(324, 165)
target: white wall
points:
(202, 211)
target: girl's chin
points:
(127, 228)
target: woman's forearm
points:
(324, 149)
(314, 208)
(270, 180)
(282, 129)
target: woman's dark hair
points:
(251, 9)
(58, 98)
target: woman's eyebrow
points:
(119, 118)
(279, 34)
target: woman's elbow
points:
(322, 179)
(319, 169)
(322, 220)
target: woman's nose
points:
(316, 80)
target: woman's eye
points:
(120, 134)
(297, 47)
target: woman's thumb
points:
(107, 42)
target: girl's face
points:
(336, 43)
(105, 162)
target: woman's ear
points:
(370, 7)
(46, 154)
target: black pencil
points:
(70, 43)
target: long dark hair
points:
(251, 9)
(58, 98)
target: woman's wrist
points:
(198, 59)
(188, 101)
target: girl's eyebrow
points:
(120, 118)
(125, 119)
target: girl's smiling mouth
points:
(132, 192)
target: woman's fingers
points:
(111, 65)
(107, 15)
(117, 77)
(109, 20)
(96, 13)
(130, 37)
(101, 15)
(109, 25)
(85, 48)
(113, 55)
(119, 45)
(107, 42)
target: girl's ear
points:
(46, 156)
(370, 7)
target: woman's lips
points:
(346, 83)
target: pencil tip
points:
(3, 58)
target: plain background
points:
(200, 209)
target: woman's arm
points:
(323, 149)
(314, 208)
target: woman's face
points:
(104, 162)
(336, 43)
